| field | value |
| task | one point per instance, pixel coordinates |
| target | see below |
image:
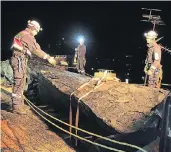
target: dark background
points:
(112, 31)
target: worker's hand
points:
(146, 69)
(28, 53)
(149, 72)
(52, 61)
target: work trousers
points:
(19, 63)
(81, 64)
(154, 80)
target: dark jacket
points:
(81, 51)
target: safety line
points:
(81, 138)
(90, 133)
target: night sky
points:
(111, 29)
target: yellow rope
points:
(81, 138)
(90, 133)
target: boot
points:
(82, 72)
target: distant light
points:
(127, 56)
(63, 38)
(92, 68)
(128, 65)
(80, 39)
(96, 58)
(113, 59)
(127, 80)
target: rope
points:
(70, 107)
(81, 138)
(164, 84)
(77, 113)
(90, 133)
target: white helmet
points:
(81, 39)
(151, 35)
(35, 24)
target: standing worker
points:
(24, 45)
(153, 68)
(80, 53)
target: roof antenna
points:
(154, 19)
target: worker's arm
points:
(76, 49)
(39, 52)
(35, 48)
(157, 58)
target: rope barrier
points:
(77, 113)
(81, 138)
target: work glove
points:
(75, 59)
(146, 69)
(52, 61)
(28, 53)
(149, 72)
(75, 62)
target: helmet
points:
(80, 39)
(151, 35)
(35, 24)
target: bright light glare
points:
(80, 39)
(145, 34)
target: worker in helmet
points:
(24, 45)
(153, 66)
(80, 53)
